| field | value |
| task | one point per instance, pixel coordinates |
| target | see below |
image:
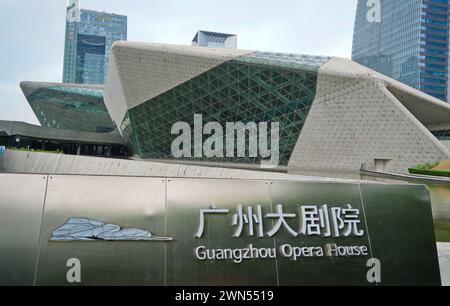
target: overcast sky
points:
(32, 33)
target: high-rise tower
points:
(409, 42)
(89, 38)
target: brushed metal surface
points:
(326, 270)
(21, 207)
(401, 222)
(127, 202)
(185, 198)
(399, 231)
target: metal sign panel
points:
(402, 233)
(185, 199)
(150, 231)
(126, 202)
(326, 270)
(21, 206)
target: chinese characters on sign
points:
(320, 221)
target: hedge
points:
(430, 172)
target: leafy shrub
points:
(428, 166)
(429, 172)
(36, 151)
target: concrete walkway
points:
(444, 262)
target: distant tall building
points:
(215, 40)
(409, 44)
(89, 38)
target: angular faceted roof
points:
(149, 70)
(140, 72)
(14, 128)
(291, 61)
(69, 106)
(29, 87)
(430, 111)
(150, 85)
(332, 111)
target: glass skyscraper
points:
(409, 44)
(89, 38)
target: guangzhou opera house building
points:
(333, 113)
(69, 106)
(73, 118)
(153, 218)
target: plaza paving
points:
(444, 262)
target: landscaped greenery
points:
(442, 230)
(35, 151)
(444, 166)
(426, 166)
(439, 169)
(430, 172)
